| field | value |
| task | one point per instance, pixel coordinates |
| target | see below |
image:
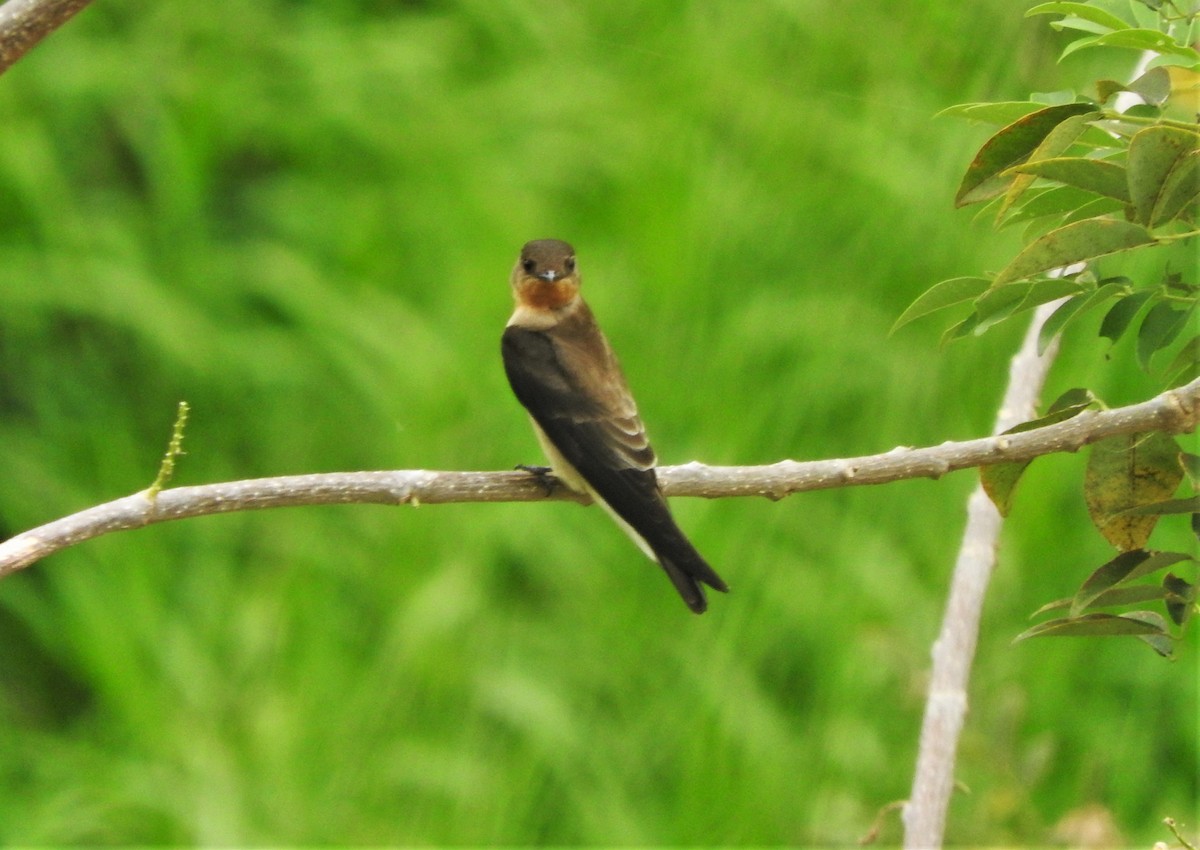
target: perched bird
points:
(564, 372)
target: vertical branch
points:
(23, 23)
(946, 705)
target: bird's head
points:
(545, 277)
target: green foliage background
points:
(300, 217)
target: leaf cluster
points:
(1111, 586)
(1090, 180)
(1095, 182)
(1129, 483)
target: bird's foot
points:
(544, 475)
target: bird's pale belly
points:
(562, 468)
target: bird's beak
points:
(548, 276)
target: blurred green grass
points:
(300, 218)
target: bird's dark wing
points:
(597, 430)
(586, 402)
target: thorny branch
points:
(1175, 411)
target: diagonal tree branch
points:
(1175, 411)
(24, 23)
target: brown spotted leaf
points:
(1126, 472)
(1011, 145)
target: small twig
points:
(1171, 825)
(1173, 412)
(174, 449)
(872, 834)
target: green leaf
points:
(999, 480)
(1059, 97)
(1155, 154)
(1186, 364)
(1180, 598)
(1009, 146)
(1126, 472)
(1190, 464)
(1159, 329)
(1106, 577)
(1003, 302)
(1102, 139)
(1176, 284)
(1154, 86)
(941, 295)
(1096, 208)
(1117, 319)
(1114, 596)
(1046, 208)
(1004, 112)
(998, 303)
(1047, 201)
(958, 331)
(1097, 176)
(1075, 308)
(1038, 228)
(1105, 89)
(1135, 39)
(1180, 189)
(1059, 319)
(986, 211)
(1142, 110)
(1074, 243)
(1071, 403)
(1086, 11)
(1056, 143)
(1157, 561)
(1122, 569)
(1146, 626)
(1162, 643)
(1094, 625)
(1072, 22)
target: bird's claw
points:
(544, 475)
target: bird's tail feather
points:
(675, 553)
(686, 569)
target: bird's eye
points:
(569, 265)
(528, 265)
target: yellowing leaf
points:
(1184, 100)
(1126, 472)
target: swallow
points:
(563, 371)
